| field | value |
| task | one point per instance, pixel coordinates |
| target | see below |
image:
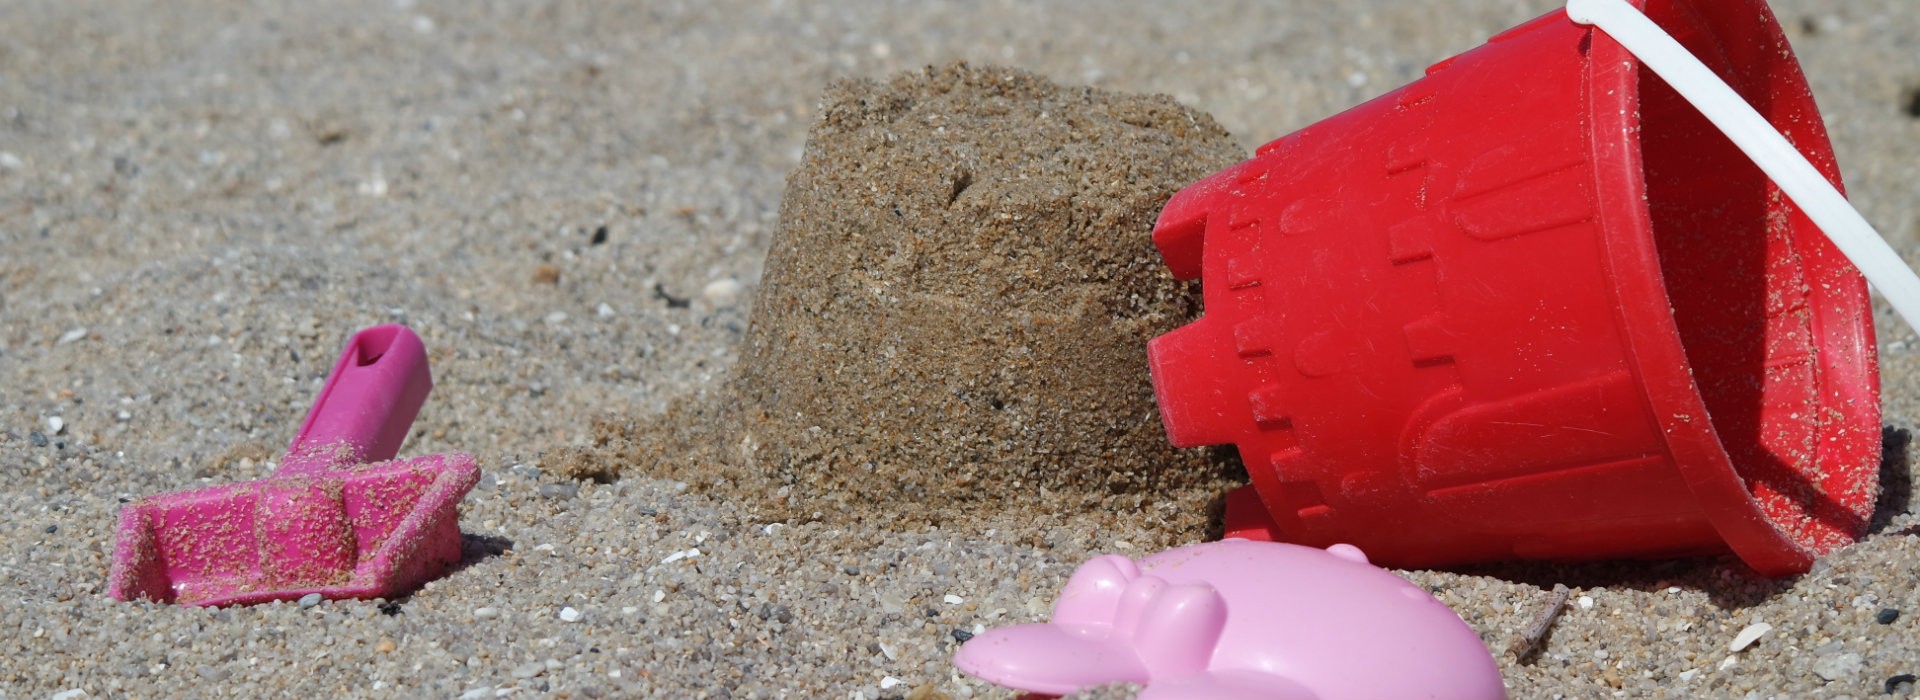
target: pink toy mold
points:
(337, 518)
(1242, 620)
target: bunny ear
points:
(1054, 659)
(1178, 631)
(1092, 594)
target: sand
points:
(200, 202)
(952, 317)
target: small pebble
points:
(960, 635)
(390, 608)
(75, 693)
(1586, 603)
(384, 646)
(889, 682)
(1748, 636)
(559, 492)
(53, 529)
(722, 292)
(1887, 616)
(954, 599)
(1902, 683)
(1838, 666)
(13, 162)
(569, 615)
(56, 425)
(485, 691)
(71, 336)
(486, 613)
(1823, 24)
(39, 439)
(546, 273)
(309, 600)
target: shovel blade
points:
(368, 531)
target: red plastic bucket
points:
(1533, 306)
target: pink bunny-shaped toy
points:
(1242, 620)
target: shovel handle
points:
(367, 405)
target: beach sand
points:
(573, 205)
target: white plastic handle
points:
(1801, 182)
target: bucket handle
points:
(1731, 114)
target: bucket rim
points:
(1842, 318)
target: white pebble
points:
(1748, 636)
(1688, 674)
(485, 691)
(76, 692)
(309, 600)
(889, 682)
(683, 554)
(954, 599)
(723, 292)
(1729, 662)
(375, 186)
(604, 310)
(12, 162)
(659, 596)
(486, 613)
(1834, 667)
(71, 336)
(569, 614)
(557, 317)
(56, 425)
(1586, 603)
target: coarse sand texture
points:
(955, 308)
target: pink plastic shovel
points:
(337, 518)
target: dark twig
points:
(1529, 642)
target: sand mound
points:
(955, 310)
